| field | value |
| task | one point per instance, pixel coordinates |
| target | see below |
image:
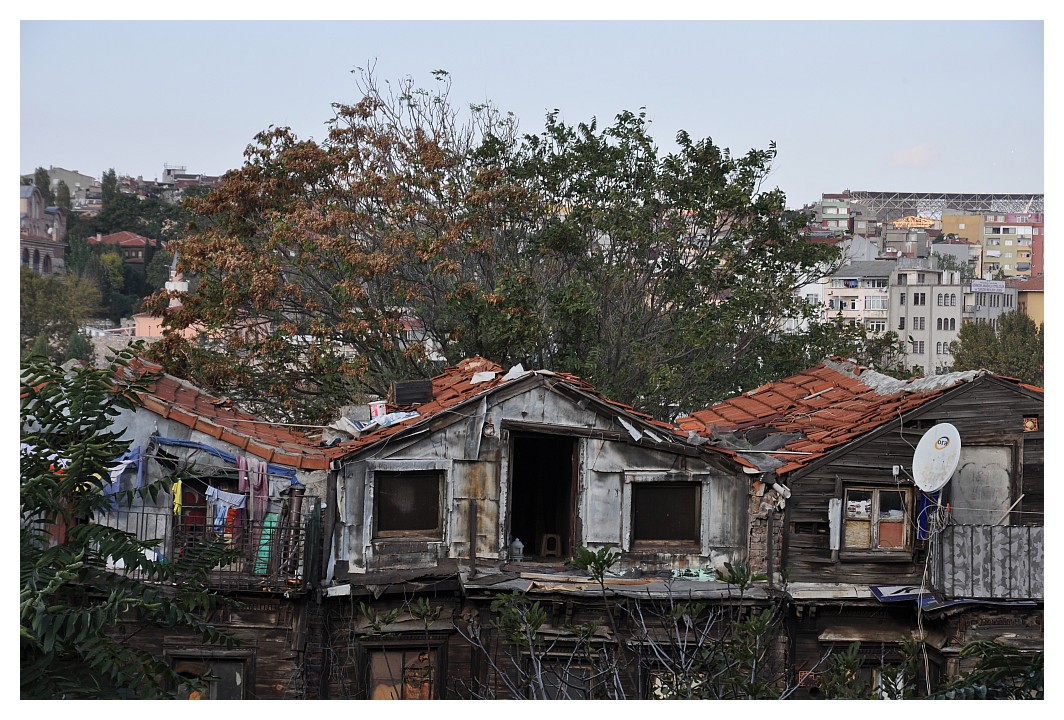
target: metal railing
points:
(271, 554)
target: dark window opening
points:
(666, 512)
(565, 681)
(809, 528)
(408, 504)
(542, 493)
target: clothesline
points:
(276, 470)
(232, 468)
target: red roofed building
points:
(133, 248)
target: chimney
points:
(410, 392)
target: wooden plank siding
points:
(272, 644)
(988, 411)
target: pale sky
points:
(923, 106)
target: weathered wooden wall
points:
(475, 447)
(983, 412)
(271, 631)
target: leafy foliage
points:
(1002, 673)
(414, 235)
(51, 309)
(44, 183)
(1014, 348)
(76, 611)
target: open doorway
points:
(543, 494)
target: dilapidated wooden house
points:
(864, 554)
(381, 553)
(489, 481)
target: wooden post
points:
(472, 537)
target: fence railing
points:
(271, 554)
(1000, 562)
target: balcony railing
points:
(272, 554)
(990, 562)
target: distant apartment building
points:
(859, 292)
(906, 242)
(929, 305)
(965, 252)
(1009, 244)
(79, 184)
(838, 214)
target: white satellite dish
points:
(936, 457)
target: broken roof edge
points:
(883, 384)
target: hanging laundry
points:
(269, 526)
(177, 497)
(112, 487)
(222, 501)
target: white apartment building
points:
(860, 293)
(928, 306)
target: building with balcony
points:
(929, 305)
(1009, 244)
(859, 292)
(869, 557)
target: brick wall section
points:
(759, 531)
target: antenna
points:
(936, 457)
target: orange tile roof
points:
(186, 404)
(182, 402)
(453, 387)
(827, 406)
(1035, 284)
(124, 238)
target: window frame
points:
(435, 642)
(446, 500)
(872, 550)
(632, 479)
(177, 653)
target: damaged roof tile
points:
(828, 405)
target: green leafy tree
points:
(1014, 347)
(52, 308)
(113, 262)
(109, 187)
(62, 196)
(663, 279)
(950, 262)
(79, 347)
(44, 183)
(77, 255)
(157, 271)
(74, 608)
